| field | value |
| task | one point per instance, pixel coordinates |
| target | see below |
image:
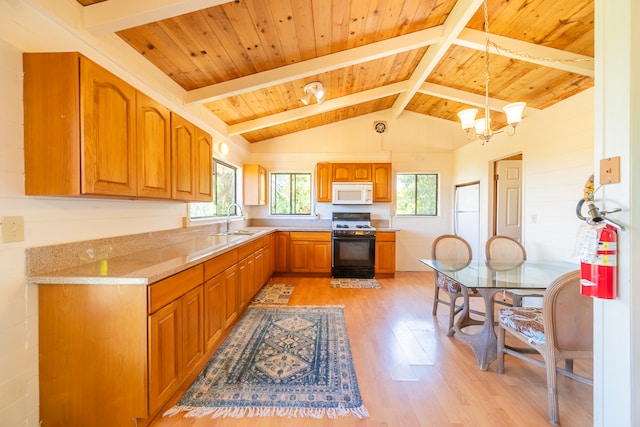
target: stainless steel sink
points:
(236, 233)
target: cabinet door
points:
(282, 252)
(108, 107)
(254, 184)
(320, 261)
(164, 357)
(362, 172)
(342, 172)
(204, 170)
(323, 182)
(246, 280)
(259, 270)
(183, 159)
(213, 310)
(299, 256)
(231, 294)
(192, 343)
(382, 182)
(153, 148)
(385, 252)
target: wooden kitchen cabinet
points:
(382, 188)
(191, 161)
(176, 327)
(89, 133)
(254, 181)
(385, 253)
(282, 246)
(323, 182)
(351, 172)
(153, 127)
(310, 252)
(80, 128)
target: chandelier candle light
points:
(482, 127)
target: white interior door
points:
(509, 199)
(467, 215)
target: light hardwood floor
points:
(411, 374)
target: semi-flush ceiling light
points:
(311, 90)
(482, 127)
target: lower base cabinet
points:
(113, 355)
(385, 253)
(310, 252)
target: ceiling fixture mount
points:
(313, 89)
(482, 127)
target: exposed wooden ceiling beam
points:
(310, 110)
(529, 52)
(462, 12)
(315, 66)
(116, 15)
(452, 94)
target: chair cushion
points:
(447, 284)
(450, 285)
(524, 320)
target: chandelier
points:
(482, 127)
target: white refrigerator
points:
(466, 220)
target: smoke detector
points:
(380, 127)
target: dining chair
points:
(504, 248)
(452, 247)
(561, 330)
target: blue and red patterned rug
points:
(279, 361)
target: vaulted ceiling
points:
(247, 61)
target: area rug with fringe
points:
(279, 361)
(273, 293)
(354, 283)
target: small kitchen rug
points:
(273, 293)
(290, 361)
(354, 283)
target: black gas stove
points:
(353, 245)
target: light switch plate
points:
(610, 170)
(12, 229)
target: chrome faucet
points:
(229, 213)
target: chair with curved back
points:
(451, 247)
(561, 330)
(504, 248)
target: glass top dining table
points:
(488, 278)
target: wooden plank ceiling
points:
(248, 61)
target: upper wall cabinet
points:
(381, 182)
(87, 132)
(351, 172)
(191, 153)
(323, 182)
(377, 173)
(254, 181)
(154, 148)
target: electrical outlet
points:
(12, 229)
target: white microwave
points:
(352, 193)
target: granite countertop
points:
(151, 265)
(145, 264)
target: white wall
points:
(413, 143)
(557, 151)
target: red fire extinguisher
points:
(598, 276)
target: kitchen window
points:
(224, 193)
(416, 194)
(290, 194)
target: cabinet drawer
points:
(246, 250)
(386, 236)
(316, 236)
(172, 288)
(220, 263)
